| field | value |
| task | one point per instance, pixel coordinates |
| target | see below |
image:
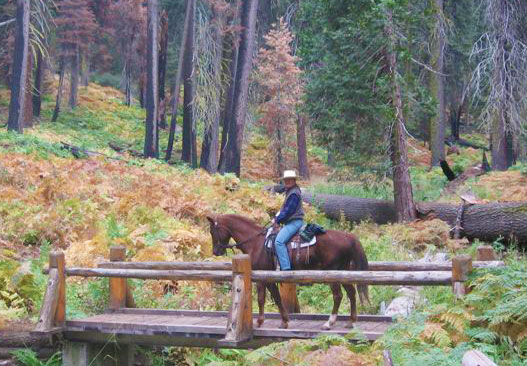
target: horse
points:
(334, 250)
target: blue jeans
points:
(285, 234)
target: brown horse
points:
(334, 250)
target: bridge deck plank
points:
(193, 325)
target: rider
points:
(291, 215)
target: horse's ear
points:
(211, 219)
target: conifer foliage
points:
(279, 77)
(76, 30)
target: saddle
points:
(304, 238)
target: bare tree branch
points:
(7, 22)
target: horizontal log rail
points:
(240, 274)
(227, 266)
(422, 278)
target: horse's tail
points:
(360, 263)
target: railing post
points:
(48, 312)
(486, 253)
(57, 260)
(117, 285)
(240, 324)
(461, 267)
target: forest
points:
(129, 122)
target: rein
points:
(237, 245)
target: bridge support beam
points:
(89, 354)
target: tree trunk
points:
(19, 77)
(500, 77)
(39, 79)
(487, 222)
(227, 113)
(303, 167)
(151, 135)
(402, 192)
(241, 86)
(128, 83)
(85, 79)
(279, 156)
(28, 100)
(177, 83)
(188, 89)
(142, 90)
(163, 46)
(437, 88)
(74, 85)
(60, 88)
(209, 150)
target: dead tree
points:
(17, 103)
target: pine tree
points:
(76, 29)
(279, 77)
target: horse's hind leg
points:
(337, 299)
(350, 290)
(260, 287)
(273, 289)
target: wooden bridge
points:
(126, 326)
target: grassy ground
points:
(51, 200)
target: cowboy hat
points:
(289, 174)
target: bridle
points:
(238, 245)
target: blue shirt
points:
(289, 208)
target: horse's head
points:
(220, 236)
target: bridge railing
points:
(239, 327)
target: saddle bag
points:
(307, 232)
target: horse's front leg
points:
(337, 299)
(260, 288)
(273, 289)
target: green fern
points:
(27, 357)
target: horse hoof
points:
(284, 325)
(326, 326)
(259, 323)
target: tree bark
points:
(151, 135)
(28, 100)
(142, 90)
(188, 90)
(60, 88)
(85, 78)
(128, 83)
(500, 77)
(402, 192)
(437, 88)
(209, 150)
(17, 116)
(241, 87)
(74, 85)
(177, 83)
(163, 46)
(227, 113)
(39, 79)
(303, 167)
(487, 222)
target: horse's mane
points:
(243, 219)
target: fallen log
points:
(486, 222)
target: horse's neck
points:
(246, 234)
